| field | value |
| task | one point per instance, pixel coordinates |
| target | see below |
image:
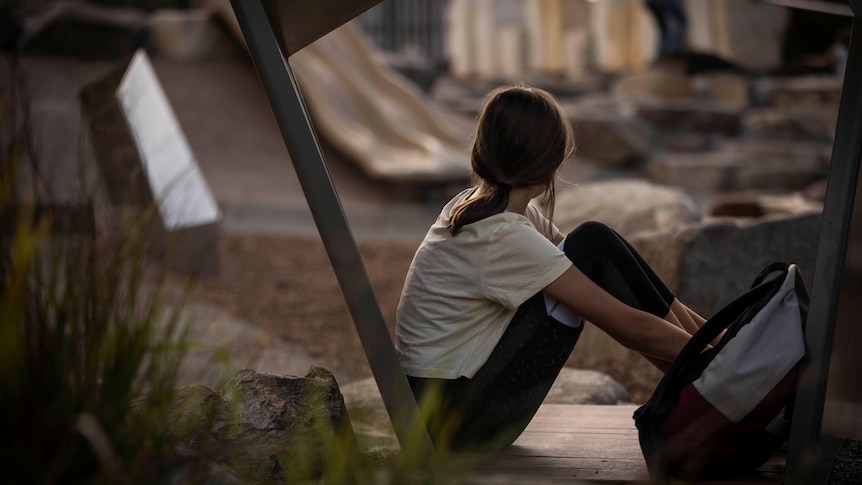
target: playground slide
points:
(371, 113)
(374, 115)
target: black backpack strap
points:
(769, 270)
(727, 315)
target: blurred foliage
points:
(91, 342)
(89, 354)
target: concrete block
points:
(147, 163)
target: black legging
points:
(612, 263)
(491, 409)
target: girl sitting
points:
(473, 333)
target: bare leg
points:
(691, 321)
(688, 322)
(610, 261)
(675, 319)
(684, 318)
(698, 320)
(658, 363)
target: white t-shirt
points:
(462, 291)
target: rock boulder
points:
(812, 124)
(627, 205)
(709, 264)
(607, 136)
(690, 115)
(266, 428)
(744, 165)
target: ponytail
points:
(492, 200)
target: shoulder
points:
(517, 230)
(502, 225)
(542, 224)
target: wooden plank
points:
(593, 443)
(522, 462)
(568, 442)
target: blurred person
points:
(671, 18)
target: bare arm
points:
(633, 328)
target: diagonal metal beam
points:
(807, 453)
(293, 120)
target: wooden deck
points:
(588, 443)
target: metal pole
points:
(806, 458)
(290, 112)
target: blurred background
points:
(704, 132)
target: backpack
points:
(725, 411)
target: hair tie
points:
(504, 185)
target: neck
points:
(519, 197)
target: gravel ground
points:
(847, 465)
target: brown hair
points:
(521, 140)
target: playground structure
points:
(372, 114)
(393, 132)
(827, 403)
(376, 116)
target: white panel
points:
(758, 357)
(183, 197)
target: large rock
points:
(266, 428)
(690, 115)
(374, 430)
(786, 166)
(734, 89)
(654, 84)
(750, 164)
(787, 123)
(577, 386)
(709, 264)
(629, 206)
(605, 135)
(819, 92)
(704, 172)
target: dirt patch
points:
(287, 287)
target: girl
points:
(473, 331)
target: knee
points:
(590, 232)
(588, 238)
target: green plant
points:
(90, 343)
(336, 457)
